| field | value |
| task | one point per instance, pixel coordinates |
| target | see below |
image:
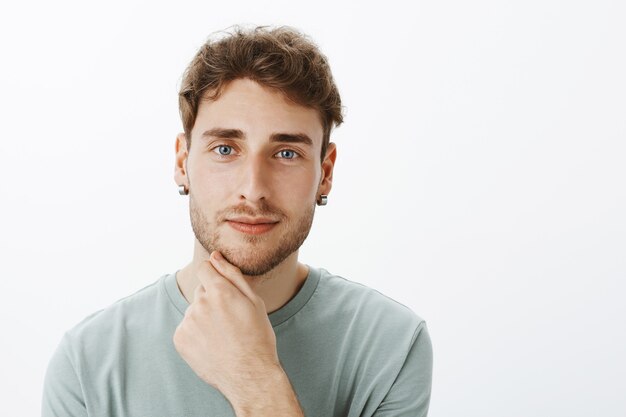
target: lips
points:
(249, 228)
(250, 220)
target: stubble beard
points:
(256, 254)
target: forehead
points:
(257, 111)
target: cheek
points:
(298, 186)
(209, 177)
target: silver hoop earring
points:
(323, 200)
(182, 190)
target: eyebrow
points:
(222, 133)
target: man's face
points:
(236, 168)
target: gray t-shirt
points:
(348, 350)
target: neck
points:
(275, 288)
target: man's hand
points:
(226, 336)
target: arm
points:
(409, 396)
(62, 393)
(274, 397)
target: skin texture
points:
(252, 177)
(236, 279)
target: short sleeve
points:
(409, 396)
(62, 393)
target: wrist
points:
(272, 395)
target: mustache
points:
(244, 210)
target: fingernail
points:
(217, 255)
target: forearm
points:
(271, 397)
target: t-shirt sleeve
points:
(409, 395)
(62, 392)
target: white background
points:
(480, 180)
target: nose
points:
(254, 179)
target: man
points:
(245, 329)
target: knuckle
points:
(222, 297)
(201, 299)
(219, 288)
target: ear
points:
(327, 169)
(180, 168)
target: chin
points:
(253, 265)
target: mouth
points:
(253, 229)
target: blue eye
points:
(289, 150)
(222, 147)
(288, 154)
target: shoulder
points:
(380, 342)
(119, 317)
(361, 303)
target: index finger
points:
(211, 277)
(234, 275)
